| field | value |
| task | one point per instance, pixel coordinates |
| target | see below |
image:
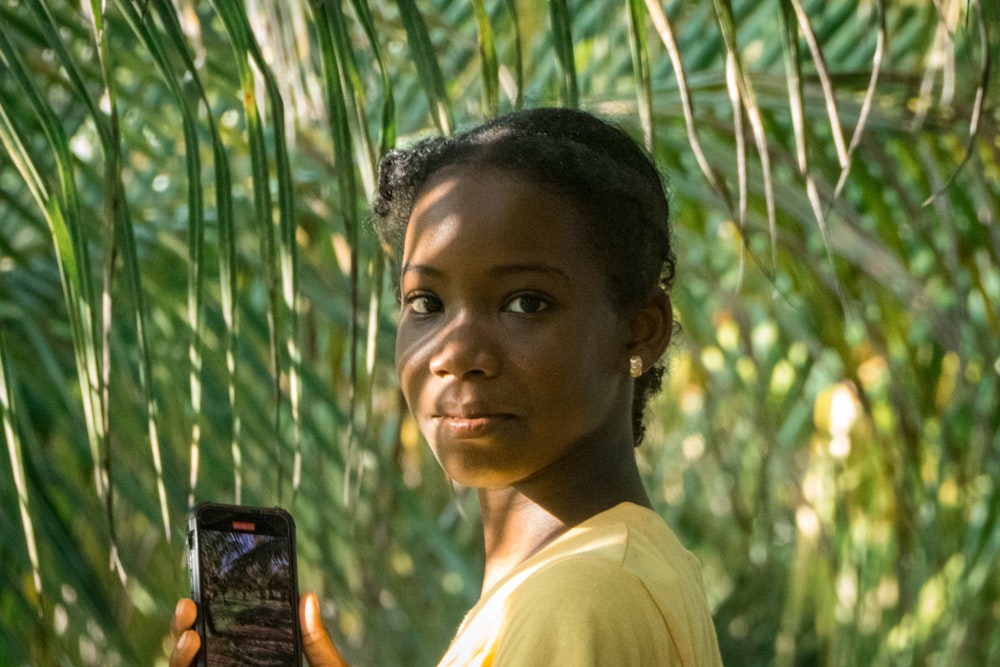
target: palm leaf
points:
(7, 416)
(562, 37)
(425, 58)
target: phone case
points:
(244, 578)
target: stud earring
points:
(635, 365)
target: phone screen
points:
(245, 579)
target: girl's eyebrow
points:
(539, 268)
(424, 269)
(498, 271)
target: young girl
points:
(533, 265)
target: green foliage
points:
(190, 308)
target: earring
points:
(635, 365)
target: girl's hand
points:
(319, 650)
(186, 640)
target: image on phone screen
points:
(247, 596)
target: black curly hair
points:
(597, 165)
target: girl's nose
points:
(465, 348)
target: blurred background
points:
(191, 308)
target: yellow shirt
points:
(618, 589)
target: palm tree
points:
(191, 309)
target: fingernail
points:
(312, 610)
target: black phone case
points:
(246, 592)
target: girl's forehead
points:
(493, 212)
(483, 174)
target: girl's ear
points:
(650, 329)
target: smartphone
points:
(241, 562)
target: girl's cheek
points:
(411, 359)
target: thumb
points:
(319, 650)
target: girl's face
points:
(509, 351)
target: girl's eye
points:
(423, 304)
(527, 304)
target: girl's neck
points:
(520, 520)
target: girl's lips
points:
(471, 426)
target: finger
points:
(185, 614)
(185, 649)
(319, 650)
